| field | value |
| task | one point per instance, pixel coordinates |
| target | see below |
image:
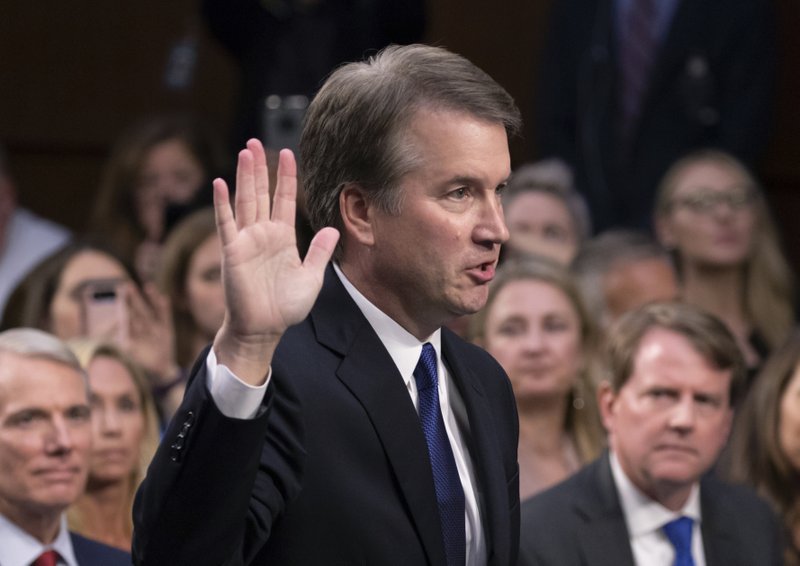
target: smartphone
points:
(105, 310)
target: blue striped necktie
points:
(449, 493)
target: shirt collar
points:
(403, 347)
(19, 547)
(643, 515)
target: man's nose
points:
(683, 414)
(492, 225)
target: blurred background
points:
(74, 75)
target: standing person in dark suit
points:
(45, 442)
(629, 86)
(361, 432)
(676, 374)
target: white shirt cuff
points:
(234, 398)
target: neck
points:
(370, 285)
(104, 512)
(717, 290)
(541, 424)
(43, 525)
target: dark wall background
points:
(73, 75)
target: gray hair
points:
(601, 254)
(37, 344)
(553, 177)
(353, 130)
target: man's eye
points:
(459, 193)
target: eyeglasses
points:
(706, 200)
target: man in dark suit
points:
(629, 86)
(45, 442)
(362, 432)
(675, 376)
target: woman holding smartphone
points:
(86, 290)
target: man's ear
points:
(605, 402)
(356, 211)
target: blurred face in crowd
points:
(540, 223)
(789, 421)
(533, 331)
(631, 284)
(206, 299)
(170, 174)
(118, 422)
(45, 437)
(671, 418)
(66, 309)
(434, 260)
(712, 216)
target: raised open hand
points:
(267, 286)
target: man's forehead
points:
(668, 356)
(27, 380)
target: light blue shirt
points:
(19, 548)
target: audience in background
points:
(190, 277)
(25, 238)
(544, 214)
(45, 445)
(535, 325)
(125, 434)
(158, 171)
(628, 86)
(620, 270)
(712, 214)
(675, 377)
(83, 290)
(764, 451)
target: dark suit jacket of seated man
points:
(331, 465)
(676, 373)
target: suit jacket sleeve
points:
(217, 484)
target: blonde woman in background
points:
(712, 214)
(536, 326)
(125, 435)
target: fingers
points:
(286, 190)
(245, 202)
(261, 178)
(321, 249)
(226, 225)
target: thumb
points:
(321, 249)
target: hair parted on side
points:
(708, 335)
(353, 130)
(37, 344)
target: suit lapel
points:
(486, 457)
(368, 371)
(603, 537)
(719, 544)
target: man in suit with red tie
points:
(45, 442)
(335, 420)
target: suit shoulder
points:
(90, 552)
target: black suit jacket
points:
(336, 469)
(580, 522)
(712, 85)
(92, 553)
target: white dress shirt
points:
(237, 399)
(645, 517)
(18, 548)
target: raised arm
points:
(267, 286)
